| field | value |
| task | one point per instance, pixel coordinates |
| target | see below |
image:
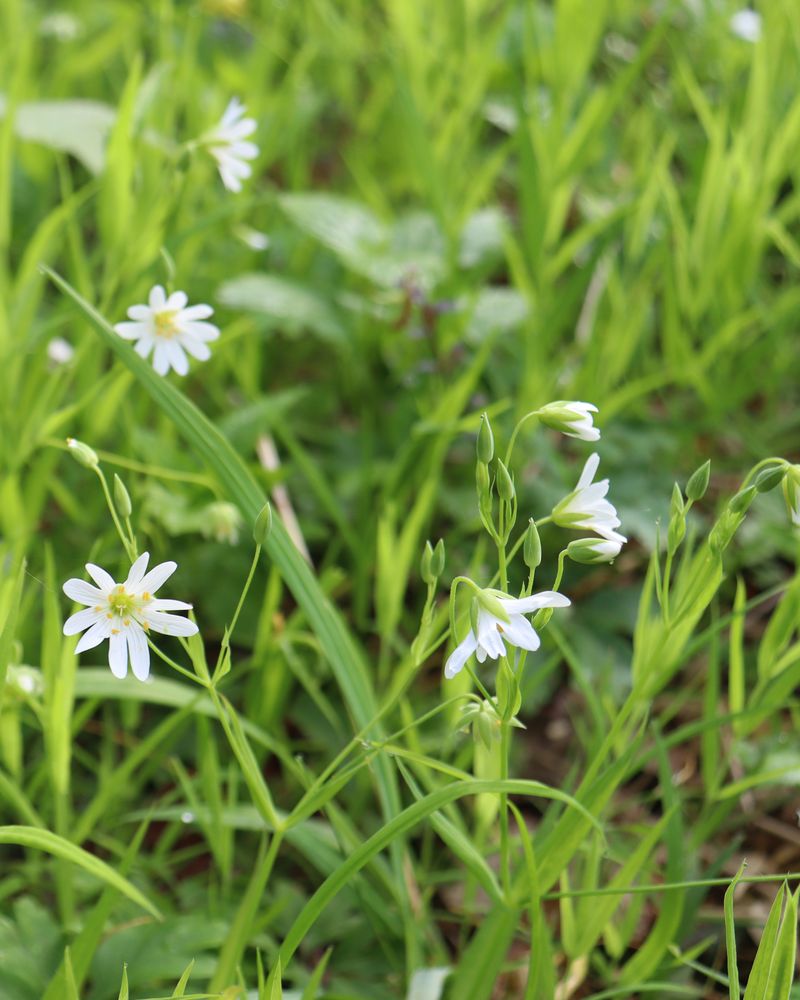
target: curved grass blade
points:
(51, 843)
(398, 827)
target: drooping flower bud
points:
(742, 500)
(593, 550)
(571, 418)
(768, 479)
(83, 454)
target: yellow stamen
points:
(165, 323)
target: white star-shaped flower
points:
(493, 632)
(228, 144)
(124, 613)
(170, 330)
(587, 507)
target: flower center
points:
(120, 602)
(166, 326)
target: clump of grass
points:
(456, 214)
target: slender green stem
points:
(245, 589)
(534, 414)
(505, 850)
(773, 460)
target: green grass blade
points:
(51, 843)
(730, 936)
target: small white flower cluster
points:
(500, 618)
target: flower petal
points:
(159, 604)
(141, 313)
(200, 311)
(82, 620)
(131, 331)
(177, 357)
(177, 301)
(544, 599)
(144, 346)
(118, 654)
(96, 634)
(158, 298)
(520, 632)
(589, 471)
(197, 348)
(460, 655)
(168, 624)
(83, 592)
(489, 635)
(137, 571)
(161, 358)
(139, 652)
(156, 577)
(103, 580)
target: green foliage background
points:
(458, 206)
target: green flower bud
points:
(768, 479)
(532, 546)
(437, 562)
(263, 524)
(122, 498)
(505, 484)
(676, 507)
(698, 482)
(485, 441)
(222, 522)
(593, 550)
(742, 500)
(542, 617)
(677, 520)
(83, 454)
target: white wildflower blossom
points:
(746, 24)
(572, 418)
(170, 329)
(492, 631)
(60, 351)
(228, 144)
(791, 493)
(586, 506)
(124, 613)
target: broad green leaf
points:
(78, 127)
(293, 307)
(760, 982)
(480, 963)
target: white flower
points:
(227, 144)
(493, 631)
(124, 613)
(571, 418)
(60, 351)
(594, 550)
(586, 506)
(746, 24)
(167, 328)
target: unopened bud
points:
(425, 566)
(122, 498)
(485, 441)
(698, 482)
(263, 524)
(593, 550)
(768, 479)
(791, 493)
(742, 500)
(532, 547)
(437, 562)
(82, 453)
(505, 484)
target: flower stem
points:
(129, 545)
(520, 424)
